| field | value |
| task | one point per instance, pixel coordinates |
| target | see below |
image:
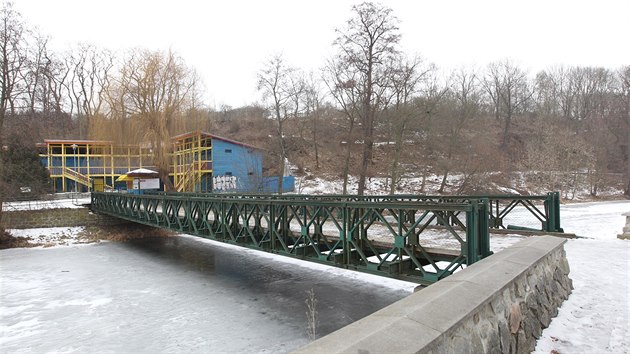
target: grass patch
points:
(9, 241)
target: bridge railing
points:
(412, 240)
(533, 212)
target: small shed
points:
(140, 179)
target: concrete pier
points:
(626, 230)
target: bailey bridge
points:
(411, 237)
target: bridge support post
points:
(552, 207)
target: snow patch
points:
(91, 303)
(52, 236)
(73, 203)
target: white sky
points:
(228, 41)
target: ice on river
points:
(180, 294)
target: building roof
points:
(141, 171)
(176, 137)
(212, 136)
(75, 141)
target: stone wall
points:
(28, 219)
(498, 305)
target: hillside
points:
(483, 167)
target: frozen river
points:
(187, 294)
(179, 294)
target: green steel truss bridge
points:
(416, 238)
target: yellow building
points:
(201, 162)
(74, 164)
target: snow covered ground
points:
(70, 200)
(52, 236)
(594, 319)
(415, 184)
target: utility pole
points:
(76, 167)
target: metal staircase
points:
(188, 179)
(77, 177)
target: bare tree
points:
(281, 87)
(406, 77)
(432, 93)
(196, 116)
(559, 156)
(120, 105)
(32, 76)
(56, 81)
(550, 92)
(365, 48)
(464, 104)
(624, 93)
(157, 88)
(593, 96)
(589, 87)
(617, 121)
(343, 87)
(90, 79)
(13, 52)
(13, 58)
(508, 88)
(313, 103)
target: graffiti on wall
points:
(225, 183)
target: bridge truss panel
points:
(420, 241)
(525, 213)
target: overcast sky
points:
(228, 41)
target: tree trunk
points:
(364, 166)
(282, 158)
(346, 169)
(368, 124)
(315, 142)
(396, 161)
(1, 182)
(466, 180)
(87, 127)
(3, 109)
(346, 166)
(627, 192)
(281, 168)
(443, 184)
(164, 177)
(368, 143)
(394, 172)
(423, 184)
(506, 132)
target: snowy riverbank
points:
(595, 318)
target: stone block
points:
(375, 335)
(442, 310)
(491, 277)
(626, 230)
